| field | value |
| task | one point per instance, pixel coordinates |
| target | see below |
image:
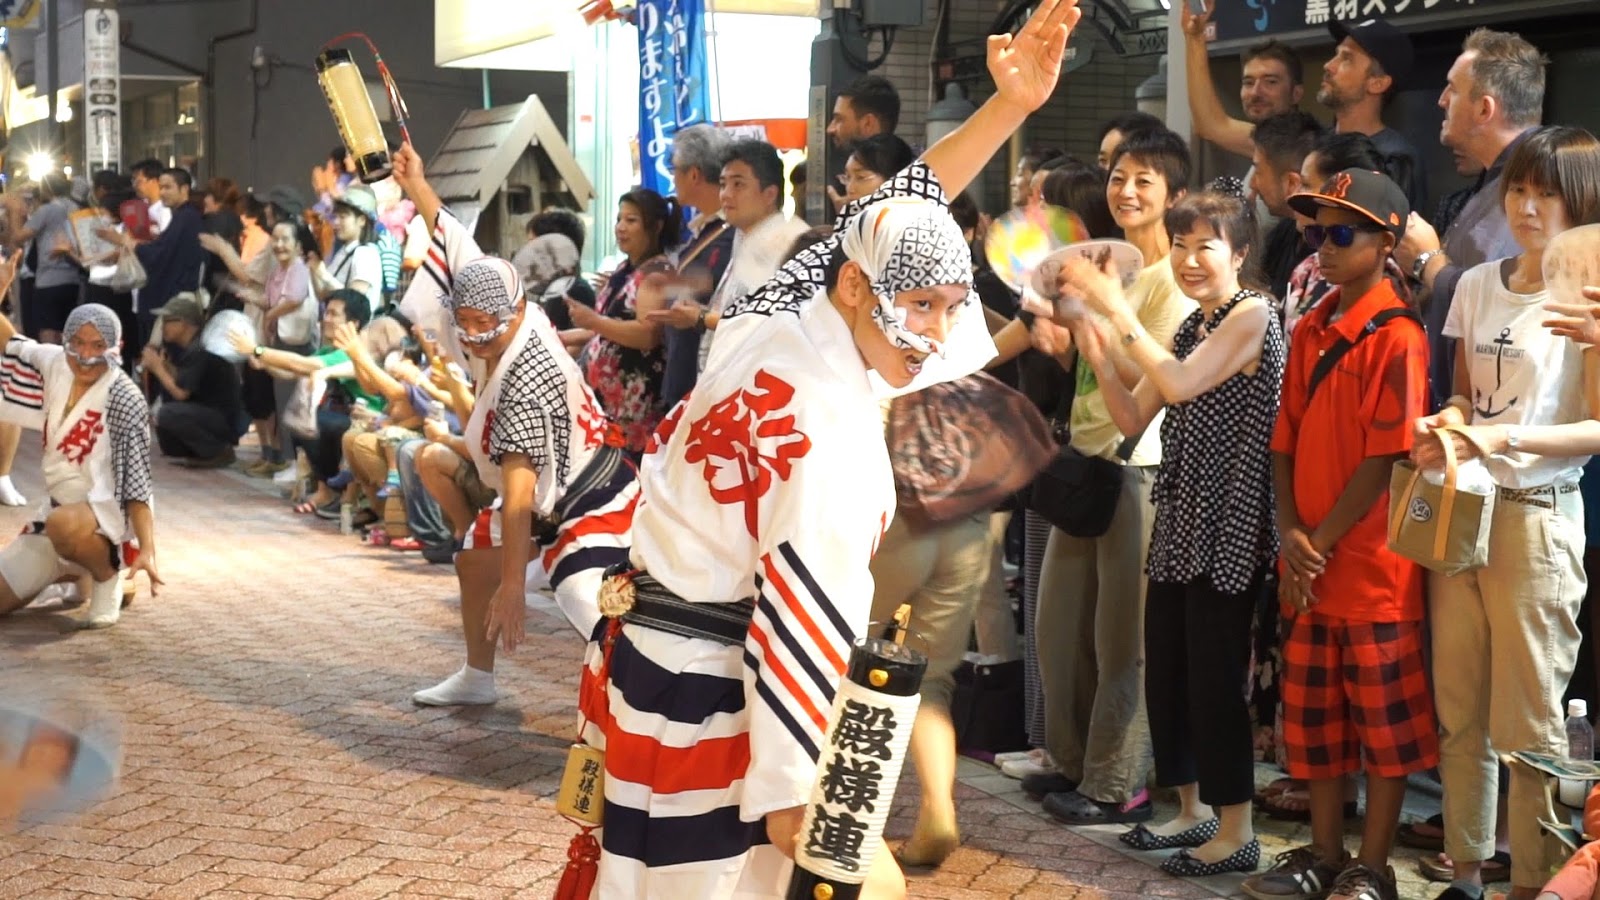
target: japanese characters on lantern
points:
(856, 777)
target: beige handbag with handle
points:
(1437, 526)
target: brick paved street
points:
(271, 748)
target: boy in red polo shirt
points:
(1355, 690)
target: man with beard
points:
(1371, 60)
(1493, 98)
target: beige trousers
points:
(939, 570)
(995, 623)
(1505, 640)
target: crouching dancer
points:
(537, 437)
(764, 495)
(96, 468)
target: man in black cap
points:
(201, 410)
(1371, 60)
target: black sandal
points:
(1073, 808)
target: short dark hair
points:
(57, 185)
(1128, 123)
(1081, 190)
(558, 220)
(180, 177)
(1337, 151)
(1161, 149)
(1562, 159)
(797, 175)
(875, 95)
(761, 157)
(106, 180)
(811, 236)
(1278, 52)
(1231, 217)
(1057, 162)
(1287, 138)
(658, 211)
(357, 308)
(883, 154)
(1035, 157)
(149, 168)
(965, 211)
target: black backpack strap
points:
(1342, 346)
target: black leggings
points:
(1197, 658)
(327, 450)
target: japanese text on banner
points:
(673, 89)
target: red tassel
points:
(583, 866)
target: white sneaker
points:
(9, 495)
(1001, 759)
(65, 593)
(467, 687)
(1033, 765)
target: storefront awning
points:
(493, 34)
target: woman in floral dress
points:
(624, 359)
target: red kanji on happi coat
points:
(80, 440)
(596, 430)
(726, 440)
(488, 429)
(662, 436)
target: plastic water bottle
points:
(347, 525)
(1580, 734)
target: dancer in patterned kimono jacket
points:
(537, 437)
(765, 493)
(96, 465)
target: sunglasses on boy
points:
(1341, 235)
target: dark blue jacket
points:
(172, 261)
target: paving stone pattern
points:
(271, 748)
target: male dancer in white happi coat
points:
(765, 493)
(537, 436)
(96, 465)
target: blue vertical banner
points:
(674, 92)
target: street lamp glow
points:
(39, 165)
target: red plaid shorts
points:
(1356, 693)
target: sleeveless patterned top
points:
(1213, 495)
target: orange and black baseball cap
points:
(1373, 195)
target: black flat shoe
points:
(1142, 838)
(1244, 859)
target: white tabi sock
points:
(9, 495)
(105, 604)
(468, 687)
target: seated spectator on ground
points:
(343, 395)
(201, 415)
(370, 452)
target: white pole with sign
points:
(102, 88)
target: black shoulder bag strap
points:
(1342, 346)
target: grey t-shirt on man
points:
(49, 226)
